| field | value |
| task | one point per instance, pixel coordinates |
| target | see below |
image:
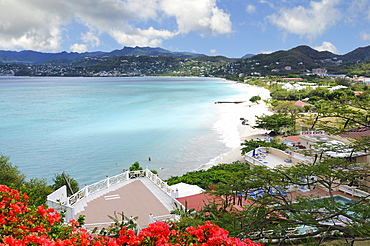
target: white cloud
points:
(268, 3)
(358, 8)
(327, 46)
(31, 25)
(79, 48)
(365, 36)
(250, 9)
(91, 39)
(139, 37)
(40, 24)
(213, 51)
(199, 15)
(311, 21)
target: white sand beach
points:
(231, 127)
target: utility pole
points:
(67, 182)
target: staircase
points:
(162, 196)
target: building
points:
(300, 103)
(320, 71)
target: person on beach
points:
(149, 158)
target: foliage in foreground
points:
(27, 225)
(275, 215)
(36, 189)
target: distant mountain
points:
(358, 54)
(30, 57)
(295, 60)
(247, 56)
(300, 57)
(148, 51)
(33, 57)
(308, 55)
(301, 54)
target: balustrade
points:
(104, 184)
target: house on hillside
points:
(358, 133)
(362, 80)
(320, 71)
(292, 141)
(300, 103)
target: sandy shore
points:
(248, 111)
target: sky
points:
(231, 28)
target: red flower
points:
(22, 226)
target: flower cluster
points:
(22, 225)
(161, 234)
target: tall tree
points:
(9, 174)
(37, 189)
(65, 179)
(274, 122)
(343, 114)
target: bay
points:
(91, 128)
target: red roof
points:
(198, 201)
(357, 133)
(300, 103)
(296, 139)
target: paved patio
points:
(139, 198)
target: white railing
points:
(109, 181)
(68, 202)
(165, 187)
(101, 185)
(353, 191)
(317, 132)
(165, 218)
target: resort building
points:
(319, 144)
(320, 71)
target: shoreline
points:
(235, 111)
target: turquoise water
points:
(93, 127)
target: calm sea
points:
(93, 127)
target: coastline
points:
(233, 112)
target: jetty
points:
(236, 102)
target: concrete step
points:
(162, 196)
(79, 207)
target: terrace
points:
(271, 157)
(140, 194)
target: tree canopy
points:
(37, 189)
(274, 122)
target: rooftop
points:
(140, 194)
(138, 198)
